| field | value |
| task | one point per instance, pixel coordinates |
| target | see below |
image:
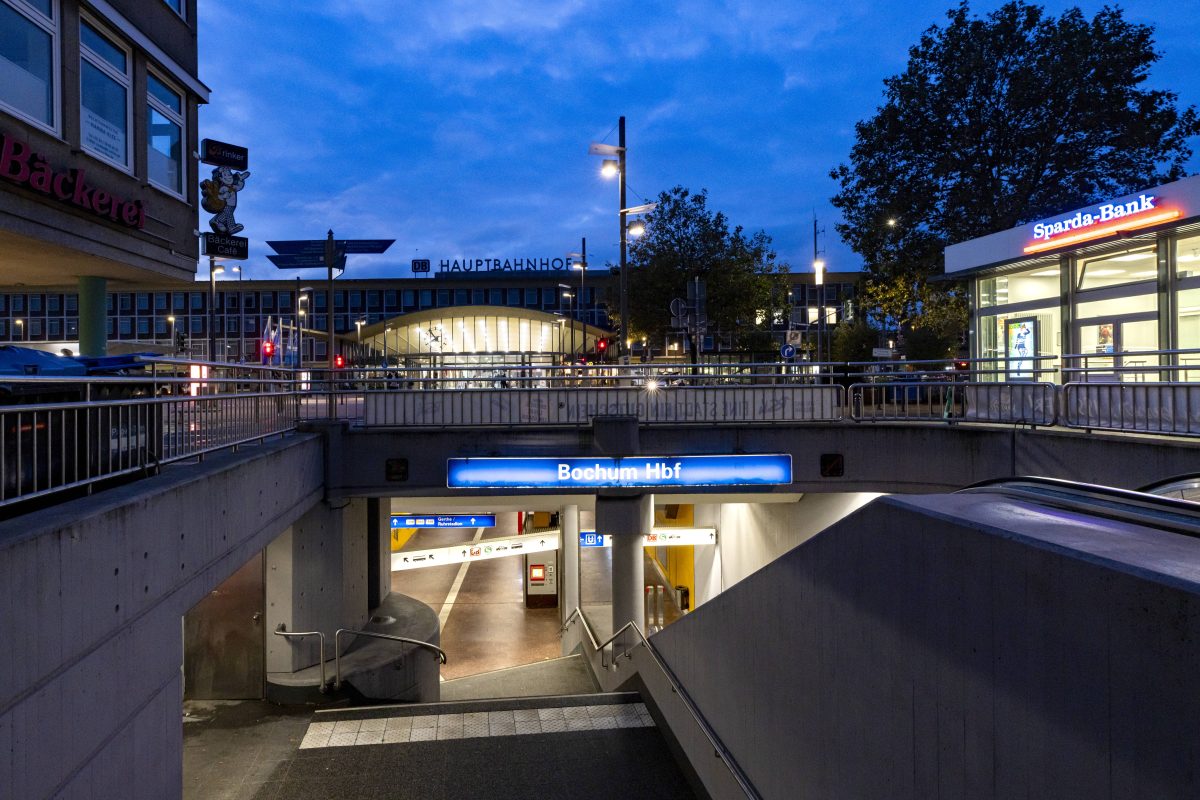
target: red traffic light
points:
(339, 361)
(602, 345)
(268, 348)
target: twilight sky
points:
(460, 128)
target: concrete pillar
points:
(626, 519)
(569, 574)
(93, 316)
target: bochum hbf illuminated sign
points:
(628, 473)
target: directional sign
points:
(593, 539)
(474, 551)
(444, 521)
(304, 247)
(788, 351)
(304, 261)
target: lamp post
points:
(358, 323)
(571, 307)
(616, 169)
(241, 318)
(213, 271)
(20, 323)
(174, 349)
(302, 297)
(819, 280)
(579, 262)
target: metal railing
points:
(59, 434)
(677, 688)
(63, 433)
(281, 630)
(337, 656)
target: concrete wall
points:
(752, 535)
(316, 581)
(957, 646)
(877, 457)
(94, 593)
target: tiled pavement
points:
(475, 724)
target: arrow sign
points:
(316, 247)
(304, 261)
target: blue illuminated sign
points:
(591, 539)
(628, 472)
(444, 521)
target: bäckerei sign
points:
(21, 165)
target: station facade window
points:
(28, 60)
(164, 135)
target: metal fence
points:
(58, 434)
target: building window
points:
(409, 299)
(460, 297)
(104, 90)
(27, 60)
(390, 299)
(514, 297)
(1131, 267)
(426, 298)
(477, 297)
(143, 301)
(175, 5)
(1034, 284)
(164, 135)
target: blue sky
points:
(460, 128)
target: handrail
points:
(281, 630)
(1162, 512)
(586, 627)
(337, 657)
(719, 748)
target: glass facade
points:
(27, 84)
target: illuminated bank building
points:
(1120, 277)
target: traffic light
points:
(601, 348)
(339, 361)
(268, 351)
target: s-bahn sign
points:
(627, 472)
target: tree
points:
(685, 240)
(997, 121)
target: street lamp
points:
(213, 271)
(241, 317)
(616, 168)
(301, 298)
(20, 323)
(579, 262)
(171, 320)
(571, 307)
(819, 280)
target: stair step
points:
(468, 706)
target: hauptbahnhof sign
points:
(630, 472)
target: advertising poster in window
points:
(1022, 342)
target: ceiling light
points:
(1046, 273)
(1134, 256)
(1102, 273)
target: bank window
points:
(1034, 284)
(1110, 270)
(104, 89)
(1187, 258)
(1187, 323)
(27, 60)
(164, 135)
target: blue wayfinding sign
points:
(444, 521)
(631, 471)
(591, 539)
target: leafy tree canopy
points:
(684, 240)
(1000, 120)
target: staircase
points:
(579, 746)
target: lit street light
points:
(171, 320)
(611, 168)
(213, 271)
(20, 323)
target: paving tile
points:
(343, 739)
(579, 725)
(450, 732)
(525, 714)
(424, 734)
(528, 726)
(475, 728)
(500, 716)
(575, 712)
(369, 737)
(450, 719)
(475, 716)
(397, 735)
(554, 725)
(502, 728)
(595, 712)
(321, 727)
(373, 724)
(551, 713)
(315, 739)
(347, 726)
(398, 724)
(427, 721)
